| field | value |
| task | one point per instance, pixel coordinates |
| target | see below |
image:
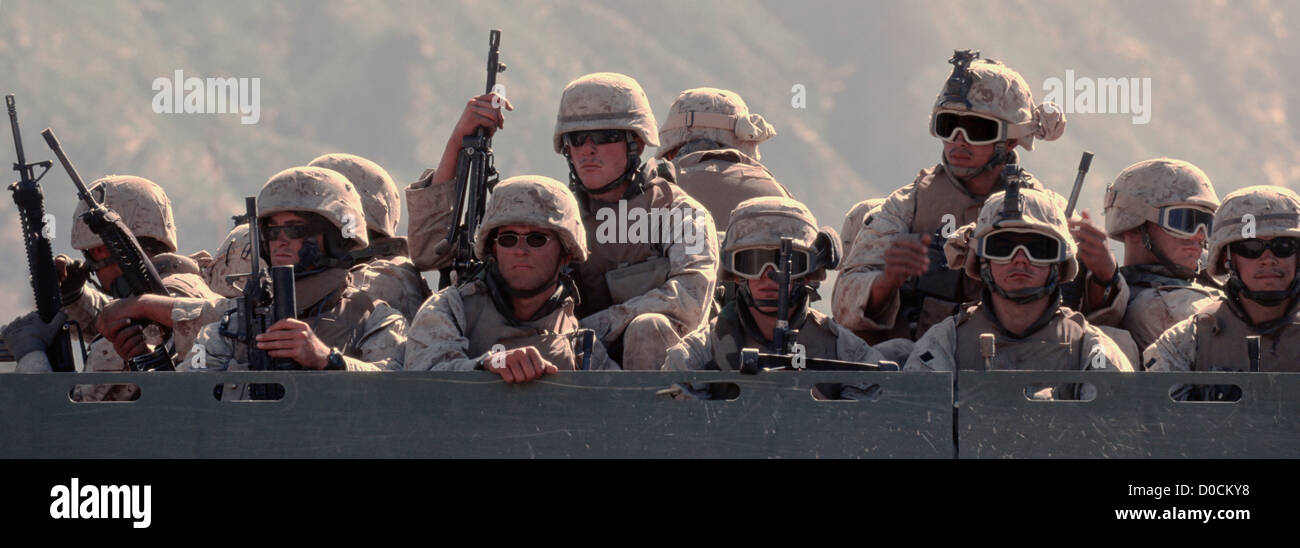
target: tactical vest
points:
(728, 336)
(721, 179)
(939, 292)
(1157, 301)
(486, 327)
(1056, 346)
(1221, 342)
(336, 312)
(633, 268)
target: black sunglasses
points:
(599, 136)
(1254, 248)
(294, 232)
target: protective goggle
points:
(598, 136)
(533, 239)
(1038, 248)
(751, 263)
(1185, 221)
(977, 129)
(1254, 248)
(293, 232)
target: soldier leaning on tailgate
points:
(303, 215)
(1020, 248)
(750, 255)
(98, 308)
(1162, 210)
(383, 269)
(893, 283)
(712, 139)
(639, 297)
(1254, 242)
(523, 303)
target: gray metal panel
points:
(474, 414)
(1132, 416)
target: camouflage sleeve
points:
(429, 208)
(1103, 354)
(853, 223)
(382, 341)
(865, 264)
(1112, 314)
(687, 294)
(694, 352)
(210, 352)
(1175, 350)
(86, 309)
(851, 348)
(395, 282)
(191, 315)
(436, 341)
(934, 350)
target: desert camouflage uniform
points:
(858, 217)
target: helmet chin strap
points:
(1176, 269)
(1001, 155)
(1020, 296)
(1237, 289)
(797, 301)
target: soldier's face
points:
(108, 274)
(284, 250)
(597, 165)
(765, 288)
(1184, 251)
(962, 154)
(527, 268)
(1019, 273)
(1266, 272)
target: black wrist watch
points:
(335, 361)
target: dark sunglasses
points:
(599, 136)
(977, 129)
(1002, 246)
(533, 239)
(294, 232)
(1254, 248)
(751, 263)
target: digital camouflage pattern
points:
(379, 197)
(715, 114)
(1137, 193)
(605, 100)
(141, 203)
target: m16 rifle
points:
(263, 303)
(476, 175)
(36, 238)
(126, 253)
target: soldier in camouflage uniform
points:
(639, 296)
(523, 304)
(1162, 210)
(310, 218)
(232, 259)
(1020, 248)
(750, 255)
(1254, 242)
(384, 269)
(893, 283)
(712, 139)
(858, 217)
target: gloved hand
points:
(72, 276)
(28, 333)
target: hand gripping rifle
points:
(40, 258)
(137, 269)
(476, 175)
(263, 303)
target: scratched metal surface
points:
(413, 414)
(1132, 417)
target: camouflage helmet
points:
(1274, 210)
(534, 200)
(715, 114)
(605, 100)
(992, 89)
(856, 219)
(379, 197)
(324, 192)
(1138, 193)
(232, 259)
(761, 223)
(141, 203)
(1040, 210)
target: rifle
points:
(1084, 163)
(137, 269)
(782, 336)
(1072, 290)
(476, 175)
(40, 257)
(263, 303)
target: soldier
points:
(890, 285)
(640, 292)
(1162, 210)
(1020, 248)
(750, 256)
(232, 259)
(310, 218)
(859, 216)
(383, 270)
(712, 139)
(523, 303)
(1256, 233)
(146, 210)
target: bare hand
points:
(906, 258)
(1093, 251)
(483, 111)
(520, 365)
(294, 339)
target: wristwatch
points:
(335, 361)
